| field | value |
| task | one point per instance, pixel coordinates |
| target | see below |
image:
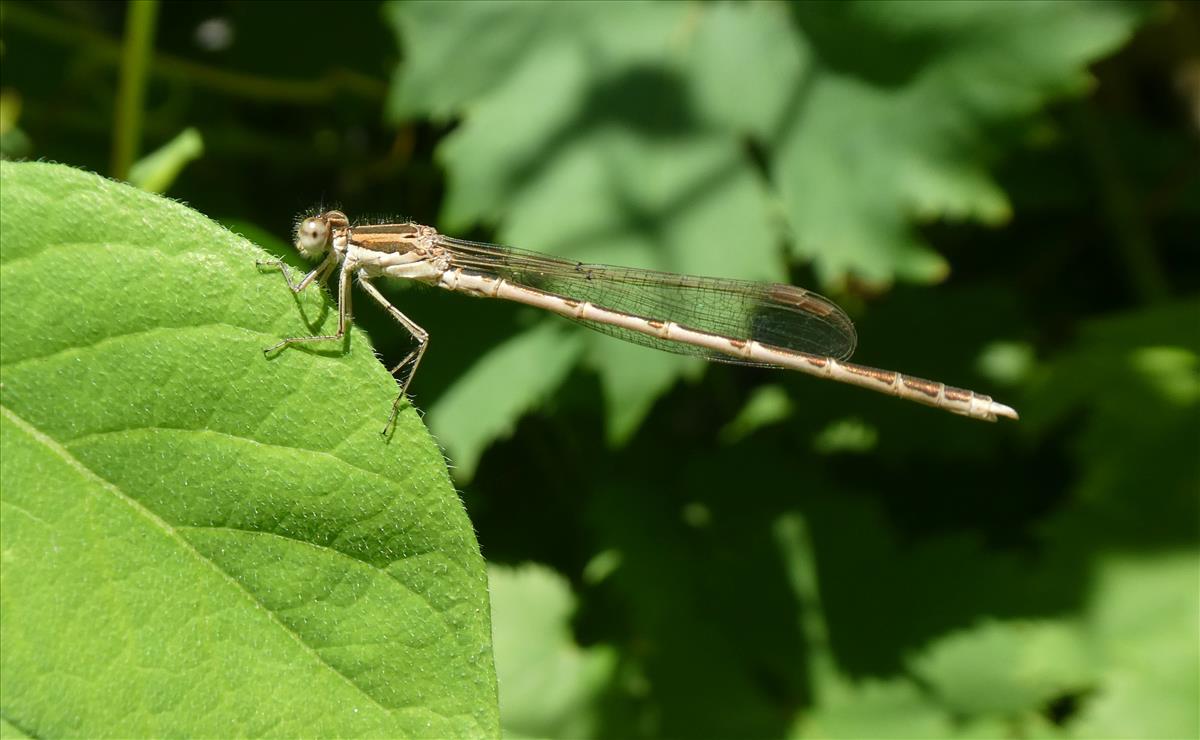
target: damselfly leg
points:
(413, 357)
(343, 310)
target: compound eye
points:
(312, 237)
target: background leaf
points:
(1141, 631)
(198, 539)
(156, 171)
(471, 415)
(1006, 669)
(912, 137)
(648, 134)
(550, 683)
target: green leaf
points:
(768, 405)
(703, 138)
(846, 436)
(1006, 668)
(8, 732)
(1133, 383)
(157, 170)
(633, 377)
(905, 133)
(199, 540)
(506, 382)
(1143, 618)
(14, 142)
(569, 164)
(551, 684)
(878, 709)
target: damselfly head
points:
(312, 236)
(315, 234)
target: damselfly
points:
(737, 321)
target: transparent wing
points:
(779, 315)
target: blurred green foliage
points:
(1005, 196)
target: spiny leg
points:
(318, 273)
(415, 356)
(343, 316)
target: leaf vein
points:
(77, 465)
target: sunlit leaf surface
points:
(199, 540)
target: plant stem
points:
(131, 93)
(309, 92)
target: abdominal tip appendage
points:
(1000, 409)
